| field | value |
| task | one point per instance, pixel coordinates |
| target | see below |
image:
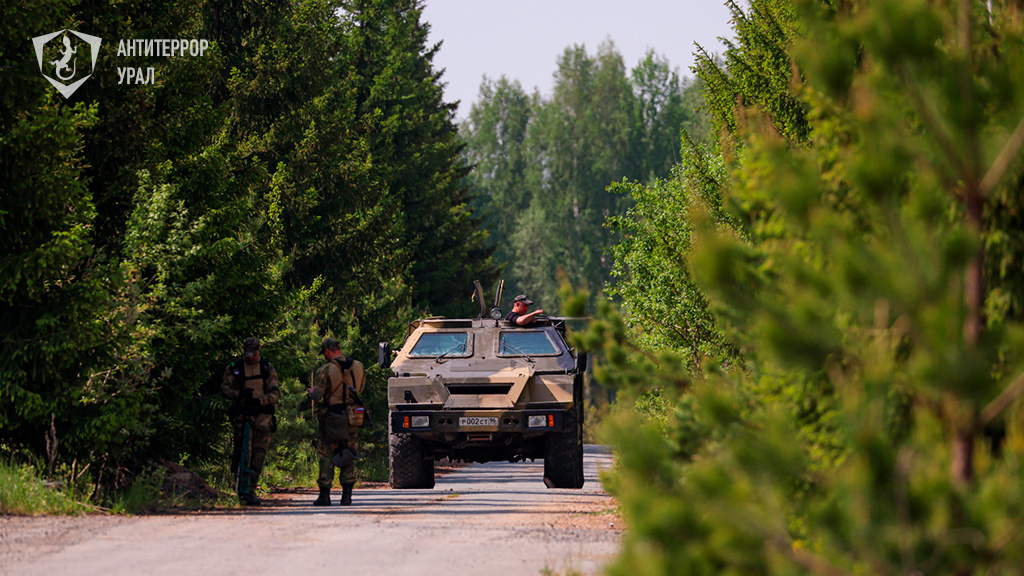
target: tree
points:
(202, 257)
(542, 166)
(412, 142)
(756, 72)
(855, 288)
(584, 138)
(496, 149)
(299, 179)
(660, 114)
(662, 304)
(52, 282)
(79, 379)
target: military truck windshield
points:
(523, 343)
(441, 343)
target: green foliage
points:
(869, 166)
(412, 150)
(300, 179)
(54, 313)
(497, 149)
(543, 165)
(22, 493)
(756, 71)
(663, 305)
(292, 459)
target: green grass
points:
(373, 463)
(23, 493)
(299, 468)
(142, 496)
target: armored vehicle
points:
(483, 390)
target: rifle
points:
(243, 480)
(248, 406)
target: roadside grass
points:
(144, 495)
(23, 493)
(373, 463)
(287, 467)
(151, 493)
(291, 463)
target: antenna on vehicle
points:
(497, 294)
(479, 294)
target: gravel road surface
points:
(487, 519)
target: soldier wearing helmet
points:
(337, 386)
(251, 383)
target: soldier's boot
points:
(346, 494)
(325, 497)
(249, 499)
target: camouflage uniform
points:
(331, 384)
(261, 378)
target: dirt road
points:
(495, 518)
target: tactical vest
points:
(338, 393)
(238, 369)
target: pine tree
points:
(413, 146)
(849, 438)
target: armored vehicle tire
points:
(563, 453)
(409, 466)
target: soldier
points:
(251, 382)
(337, 384)
(518, 315)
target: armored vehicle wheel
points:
(409, 466)
(563, 453)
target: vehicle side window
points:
(441, 343)
(528, 343)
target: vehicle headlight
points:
(496, 313)
(420, 422)
(538, 421)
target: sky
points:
(523, 39)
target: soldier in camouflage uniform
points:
(251, 383)
(337, 385)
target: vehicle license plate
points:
(478, 421)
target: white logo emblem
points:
(65, 66)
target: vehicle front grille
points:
(477, 389)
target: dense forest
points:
(820, 344)
(301, 179)
(543, 166)
(304, 177)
